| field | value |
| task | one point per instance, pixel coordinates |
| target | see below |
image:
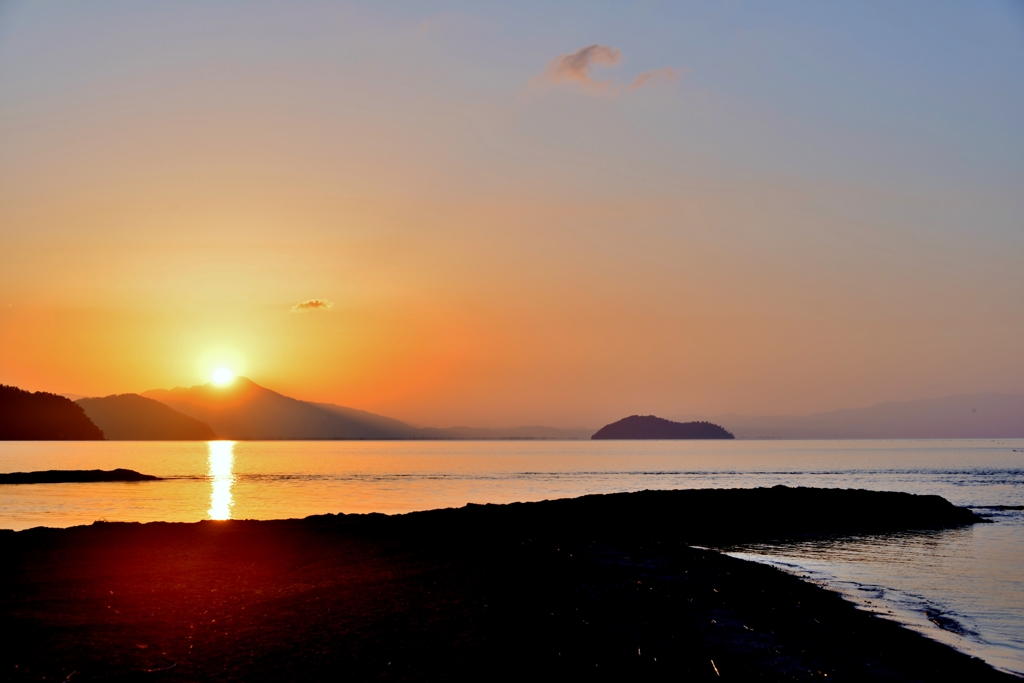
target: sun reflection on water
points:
(222, 460)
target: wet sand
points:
(600, 587)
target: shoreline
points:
(587, 588)
(909, 610)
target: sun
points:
(222, 376)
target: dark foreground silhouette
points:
(596, 588)
(43, 417)
(130, 417)
(74, 476)
(651, 427)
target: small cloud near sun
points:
(312, 305)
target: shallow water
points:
(964, 587)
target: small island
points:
(651, 427)
(74, 476)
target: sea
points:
(963, 587)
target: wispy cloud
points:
(663, 76)
(312, 305)
(575, 69)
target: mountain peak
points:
(247, 411)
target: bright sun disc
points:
(222, 376)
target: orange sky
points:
(500, 247)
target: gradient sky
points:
(771, 207)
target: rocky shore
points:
(595, 588)
(74, 476)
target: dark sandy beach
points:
(601, 587)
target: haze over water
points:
(961, 586)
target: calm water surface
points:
(964, 587)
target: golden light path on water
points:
(221, 473)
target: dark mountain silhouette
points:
(651, 427)
(43, 417)
(130, 417)
(246, 411)
(970, 416)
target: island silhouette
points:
(651, 427)
(74, 476)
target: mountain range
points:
(244, 410)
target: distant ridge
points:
(525, 433)
(388, 425)
(966, 416)
(130, 417)
(39, 416)
(651, 427)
